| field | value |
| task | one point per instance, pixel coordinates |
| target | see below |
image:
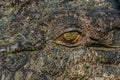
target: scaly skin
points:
(29, 30)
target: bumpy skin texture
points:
(29, 29)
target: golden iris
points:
(69, 38)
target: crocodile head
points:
(60, 40)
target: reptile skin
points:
(32, 45)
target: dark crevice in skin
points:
(42, 23)
(101, 46)
(67, 1)
(98, 45)
(117, 2)
(93, 39)
(115, 28)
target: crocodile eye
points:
(69, 39)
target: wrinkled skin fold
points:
(29, 30)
